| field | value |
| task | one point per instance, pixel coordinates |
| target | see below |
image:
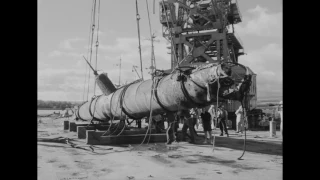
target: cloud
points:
(59, 84)
(57, 53)
(66, 44)
(70, 82)
(127, 47)
(266, 62)
(261, 22)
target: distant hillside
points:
(56, 104)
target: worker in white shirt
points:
(239, 120)
(280, 109)
(212, 112)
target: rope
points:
(245, 135)
(244, 113)
(157, 97)
(116, 128)
(186, 94)
(124, 125)
(94, 109)
(111, 114)
(121, 105)
(122, 99)
(218, 83)
(150, 115)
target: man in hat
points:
(222, 117)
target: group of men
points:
(209, 118)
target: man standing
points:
(206, 119)
(193, 113)
(199, 111)
(170, 131)
(239, 119)
(222, 117)
(280, 109)
(189, 123)
(213, 116)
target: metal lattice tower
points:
(198, 29)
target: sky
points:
(63, 40)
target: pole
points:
(136, 71)
(94, 71)
(138, 18)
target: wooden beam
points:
(65, 125)
(81, 131)
(127, 137)
(73, 126)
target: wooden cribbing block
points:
(90, 127)
(73, 126)
(101, 127)
(96, 138)
(81, 130)
(65, 125)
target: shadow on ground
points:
(264, 147)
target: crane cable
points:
(86, 72)
(153, 61)
(150, 115)
(138, 18)
(92, 31)
(97, 46)
(244, 114)
(108, 130)
(152, 86)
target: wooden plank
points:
(81, 130)
(73, 126)
(96, 138)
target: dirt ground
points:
(59, 160)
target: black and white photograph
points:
(160, 89)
